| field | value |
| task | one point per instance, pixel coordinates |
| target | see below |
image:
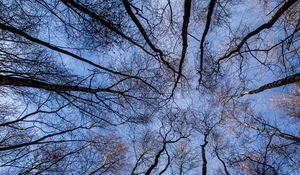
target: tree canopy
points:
(150, 87)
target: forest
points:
(132, 87)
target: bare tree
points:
(149, 87)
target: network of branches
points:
(150, 87)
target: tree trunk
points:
(284, 81)
(204, 161)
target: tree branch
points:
(100, 19)
(145, 35)
(55, 48)
(268, 25)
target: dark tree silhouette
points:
(149, 87)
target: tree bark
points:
(22, 82)
(184, 33)
(203, 153)
(284, 81)
(208, 21)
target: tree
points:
(149, 87)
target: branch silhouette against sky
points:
(150, 87)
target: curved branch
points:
(127, 6)
(155, 163)
(38, 141)
(268, 25)
(83, 9)
(222, 161)
(168, 163)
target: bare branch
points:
(264, 26)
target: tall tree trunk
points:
(208, 21)
(24, 82)
(204, 160)
(284, 81)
